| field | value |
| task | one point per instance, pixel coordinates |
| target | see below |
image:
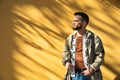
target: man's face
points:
(77, 24)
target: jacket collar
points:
(87, 33)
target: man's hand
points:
(68, 65)
(88, 72)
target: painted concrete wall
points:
(33, 32)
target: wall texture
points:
(33, 32)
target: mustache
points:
(76, 27)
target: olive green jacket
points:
(93, 54)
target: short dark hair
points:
(84, 16)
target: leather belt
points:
(80, 69)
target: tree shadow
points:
(116, 3)
(6, 42)
(7, 33)
(117, 77)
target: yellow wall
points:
(32, 35)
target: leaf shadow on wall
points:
(9, 30)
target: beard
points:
(76, 27)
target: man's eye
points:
(75, 21)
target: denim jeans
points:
(79, 76)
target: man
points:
(83, 53)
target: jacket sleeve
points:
(98, 53)
(66, 52)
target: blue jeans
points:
(79, 76)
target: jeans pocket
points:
(83, 77)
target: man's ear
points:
(83, 23)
